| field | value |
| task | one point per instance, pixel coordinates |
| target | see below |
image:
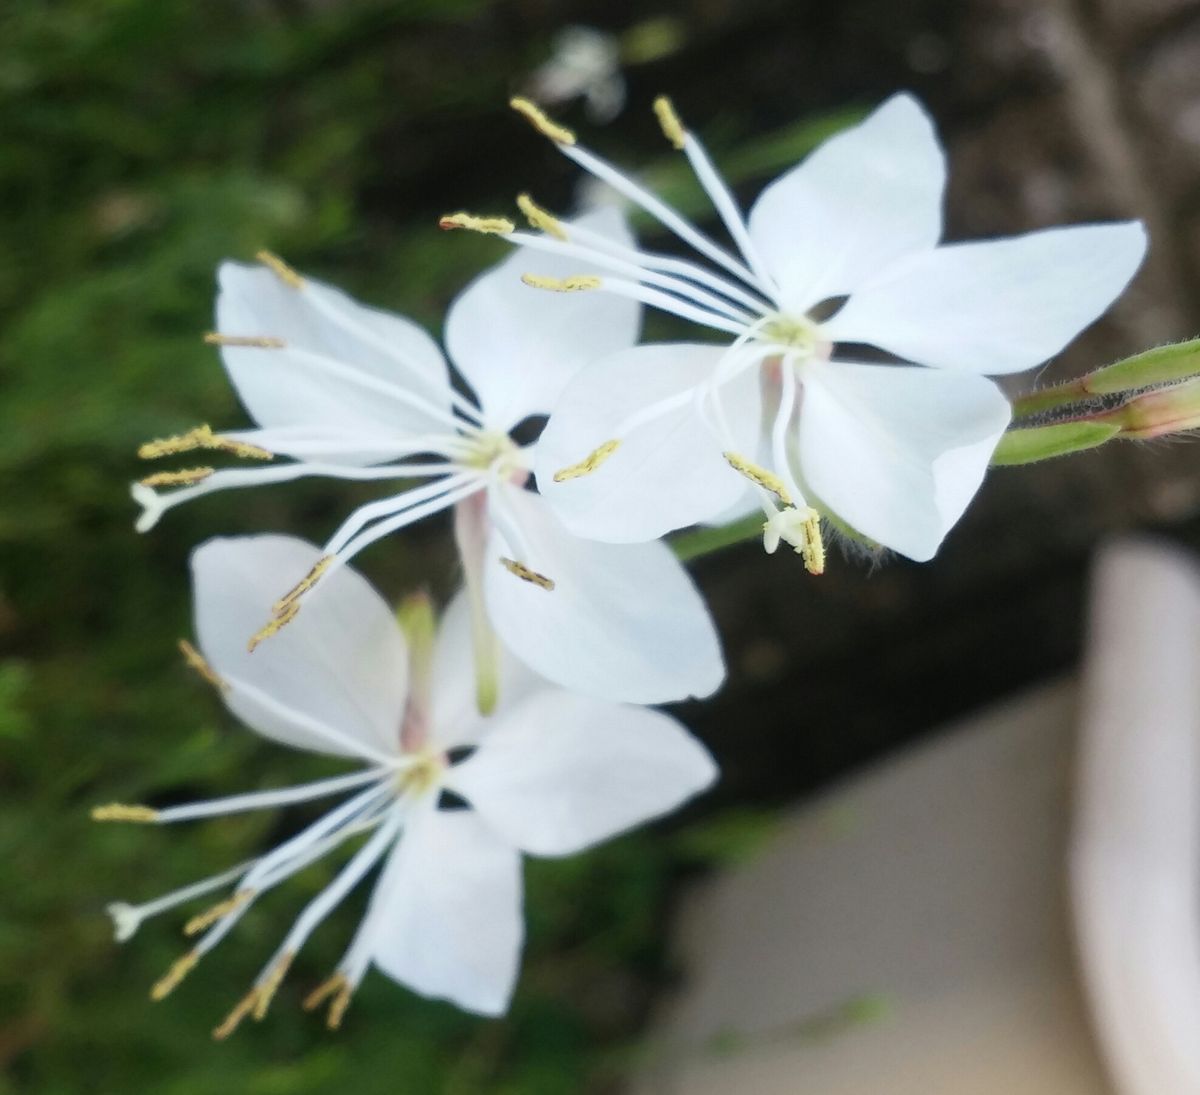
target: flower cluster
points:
(851, 392)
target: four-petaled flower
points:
(548, 773)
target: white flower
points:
(840, 251)
(548, 773)
(355, 393)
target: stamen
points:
(672, 127)
(540, 218)
(338, 987)
(221, 909)
(215, 338)
(118, 811)
(197, 662)
(537, 118)
(768, 480)
(303, 586)
(180, 968)
(489, 226)
(185, 477)
(527, 574)
(267, 990)
(280, 269)
(202, 437)
(802, 529)
(274, 625)
(234, 1019)
(572, 284)
(589, 463)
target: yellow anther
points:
(540, 218)
(274, 625)
(118, 811)
(340, 990)
(303, 586)
(280, 269)
(574, 284)
(527, 574)
(202, 437)
(813, 552)
(219, 911)
(256, 342)
(199, 664)
(672, 127)
(489, 226)
(234, 1019)
(270, 986)
(180, 968)
(759, 475)
(589, 463)
(185, 477)
(537, 118)
(801, 528)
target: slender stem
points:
(704, 541)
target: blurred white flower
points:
(585, 62)
(549, 773)
(354, 393)
(840, 251)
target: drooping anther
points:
(574, 284)
(527, 574)
(337, 987)
(489, 226)
(118, 811)
(169, 982)
(217, 912)
(672, 127)
(280, 269)
(184, 477)
(202, 437)
(198, 663)
(540, 218)
(537, 118)
(254, 342)
(589, 463)
(760, 476)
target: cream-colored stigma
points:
(118, 811)
(489, 226)
(198, 663)
(280, 269)
(202, 437)
(801, 528)
(527, 574)
(337, 987)
(759, 475)
(589, 463)
(217, 912)
(184, 477)
(254, 342)
(537, 118)
(672, 127)
(169, 982)
(541, 219)
(574, 284)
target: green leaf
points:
(1034, 443)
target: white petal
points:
(286, 387)
(863, 199)
(896, 451)
(623, 622)
(667, 473)
(998, 306)
(340, 664)
(519, 346)
(456, 717)
(563, 772)
(450, 916)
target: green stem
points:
(704, 541)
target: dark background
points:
(142, 141)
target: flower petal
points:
(341, 365)
(668, 472)
(334, 680)
(519, 346)
(563, 772)
(863, 199)
(450, 912)
(997, 306)
(897, 452)
(623, 621)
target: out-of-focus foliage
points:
(142, 141)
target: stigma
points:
(799, 526)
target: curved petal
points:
(863, 199)
(341, 365)
(450, 912)
(998, 306)
(623, 621)
(668, 472)
(456, 717)
(519, 346)
(334, 680)
(897, 452)
(563, 772)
